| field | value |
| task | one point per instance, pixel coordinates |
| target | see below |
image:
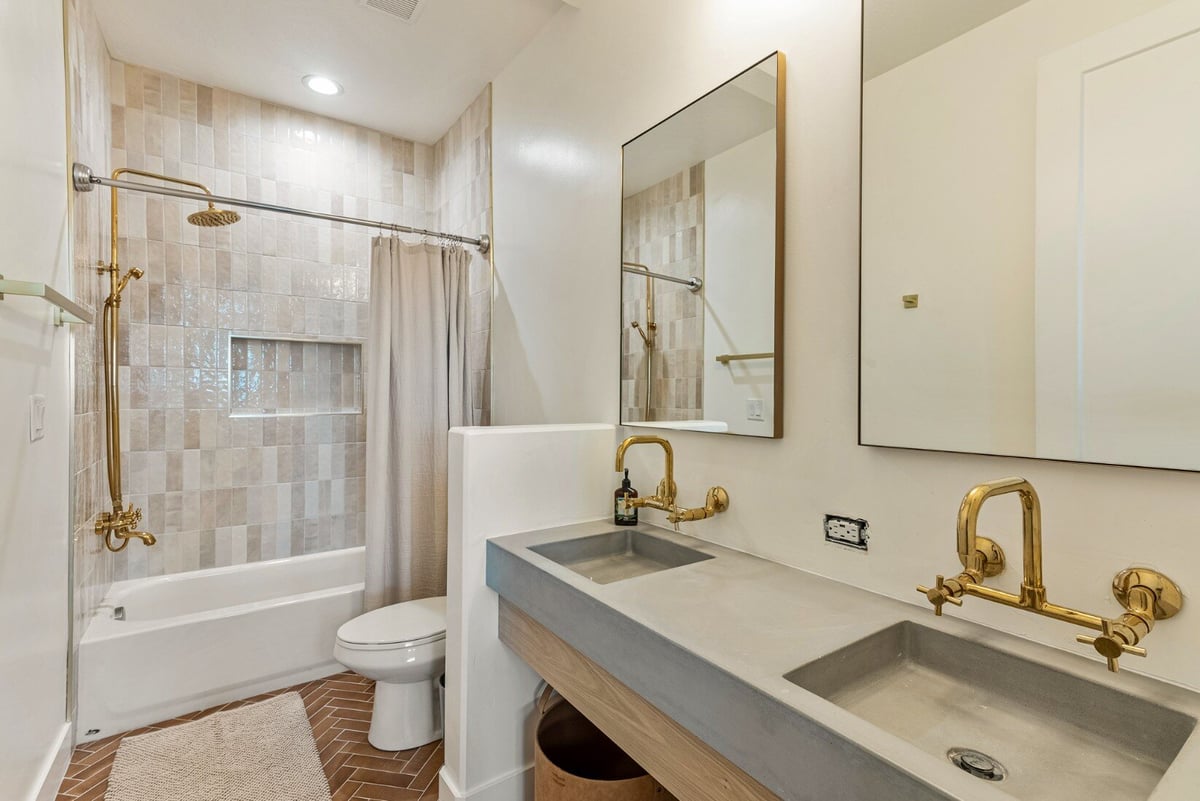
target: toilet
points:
(402, 648)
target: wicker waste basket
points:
(575, 761)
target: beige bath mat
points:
(260, 752)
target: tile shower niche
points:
(274, 377)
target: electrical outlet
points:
(37, 417)
(848, 531)
(754, 409)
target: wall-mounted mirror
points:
(1030, 234)
(702, 262)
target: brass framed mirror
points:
(702, 273)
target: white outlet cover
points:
(37, 417)
(754, 409)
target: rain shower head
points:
(212, 217)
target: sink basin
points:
(618, 555)
(1052, 734)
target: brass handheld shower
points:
(118, 526)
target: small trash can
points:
(575, 761)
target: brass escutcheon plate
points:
(994, 554)
(1168, 598)
(722, 498)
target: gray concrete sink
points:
(1052, 735)
(618, 555)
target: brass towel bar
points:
(726, 358)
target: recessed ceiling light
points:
(322, 85)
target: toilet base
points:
(405, 715)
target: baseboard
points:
(55, 767)
(515, 786)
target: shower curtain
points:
(417, 389)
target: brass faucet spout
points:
(1147, 595)
(668, 462)
(663, 499)
(1033, 590)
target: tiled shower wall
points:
(219, 489)
(463, 165)
(90, 143)
(662, 227)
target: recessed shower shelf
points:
(65, 309)
(271, 376)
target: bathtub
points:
(161, 647)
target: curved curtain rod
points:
(85, 180)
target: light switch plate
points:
(754, 409)
(848, 531)
(37, 417)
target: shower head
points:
(212, 217)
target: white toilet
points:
(403, 649)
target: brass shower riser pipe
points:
(85, 181)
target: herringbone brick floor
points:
(339, 709)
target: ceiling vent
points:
(403, 10)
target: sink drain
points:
(977, 764)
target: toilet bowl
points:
(402, 648)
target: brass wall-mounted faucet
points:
(1147, 595)
(717, 499)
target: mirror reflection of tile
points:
(664, 229)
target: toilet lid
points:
(399, 624)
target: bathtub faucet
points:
(119, 526)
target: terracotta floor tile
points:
(346, 791)
(381, 792)
(429, 771)
(339, 709)
(351, 724)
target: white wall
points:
(739, 282)
(504, 480)
(34, 477)
(948, 213)
(595, 77)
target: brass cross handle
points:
(939, 596)
(1110, 646)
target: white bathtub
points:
(194, 640)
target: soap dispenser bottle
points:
(624, 515)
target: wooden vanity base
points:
(680, 761)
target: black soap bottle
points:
(624, 515)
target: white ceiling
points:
(896, 31)
(411, 80)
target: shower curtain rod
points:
(691, 282)
(85, 181)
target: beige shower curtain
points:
(417, 389)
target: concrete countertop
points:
(709, 644)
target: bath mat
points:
(259, 752)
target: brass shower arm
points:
(113, 267)
(117, 173)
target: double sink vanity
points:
(1003, 311)
(729, 676)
